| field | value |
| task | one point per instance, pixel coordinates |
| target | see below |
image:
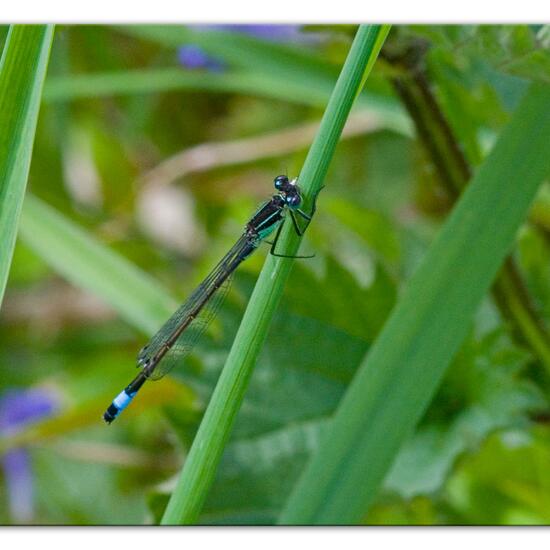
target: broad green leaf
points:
(516, 49)
(60, 483)
(22, 71)
(372, 226)
(470, 68)
(505, 483)
(257, 473)
(340, 291)
(486, 388)
(403, 369)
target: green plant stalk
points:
(22, 71)
(203, 459)
(509, 291)
(511, 295)
(400, 375)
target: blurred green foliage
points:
(482, 451)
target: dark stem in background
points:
(411, 82)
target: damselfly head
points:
(293, 200)
(288, 190)
(280, 182)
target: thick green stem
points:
(207, 448)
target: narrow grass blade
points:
(22, 71)
(297, 89)
(139, 81)
(76, 255)
(401, 373)
(203, 459)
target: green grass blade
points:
(88, 264)
(401, 373)
(139, 81)
(203, 459)
(296, 90)
(22, 71)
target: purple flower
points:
(276, 33)
(194, 57)
(17, 409)
(18, 475)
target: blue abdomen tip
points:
(122, 400)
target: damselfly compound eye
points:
(293, 200)
(280, 182)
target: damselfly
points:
(180, 333)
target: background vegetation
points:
(153, 146)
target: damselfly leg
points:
(299, 230)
